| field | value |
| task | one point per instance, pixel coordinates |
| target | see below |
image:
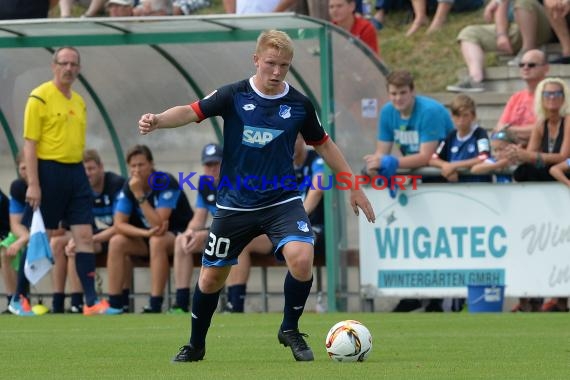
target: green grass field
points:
(405, 346)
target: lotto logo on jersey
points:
(258, 137)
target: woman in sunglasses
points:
(549, 141)
(549, 144)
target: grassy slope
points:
(417, 345)
(434, 59)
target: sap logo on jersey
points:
(258, 137)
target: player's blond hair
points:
(275, 39)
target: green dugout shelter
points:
(135, 65)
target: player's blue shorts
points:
(231, 231)
(66, 194)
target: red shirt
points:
(519, 110)
(364, 30)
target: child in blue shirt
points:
(464, 147)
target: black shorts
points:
(66, 194)
(231, 231)
(319, 235)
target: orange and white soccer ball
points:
(348, 341)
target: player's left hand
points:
(163, 228)
(196, 243)
(359, 200)
(70, 248)
(136, 185)
(14, 248)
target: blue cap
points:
(212, 153)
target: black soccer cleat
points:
(149, 310)
(190, 354)
(294, 339)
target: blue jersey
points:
(312, 166)
(171, 197)
(104, 202)
(259, 140)
(18, 190)
(4, 215)
(430, 121)
(499, 178)
(474, 145)
(207, 194)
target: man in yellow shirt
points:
(55, 123)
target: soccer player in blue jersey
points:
(151, 210)
(262, 117)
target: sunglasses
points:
(502, 136)
(530, 65)
(553, 94)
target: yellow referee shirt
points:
(56, 123)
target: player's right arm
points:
(198, 221)
(33, 193)
(196, 233)
(171, 118)
(20, 231)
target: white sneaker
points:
(516, 60)
(466, 85)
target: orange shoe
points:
(20, 306)
(549, 305)
(101, 307)
(25, 304)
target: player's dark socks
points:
(183, 298)
(85, 265)
(57, 303)
(296, 294)
(156, 303)
(116, 301)
(22, 285)
(203, 308)
(236, 297)
(126, 299)
(77, 299)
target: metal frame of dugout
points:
(125, 62)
